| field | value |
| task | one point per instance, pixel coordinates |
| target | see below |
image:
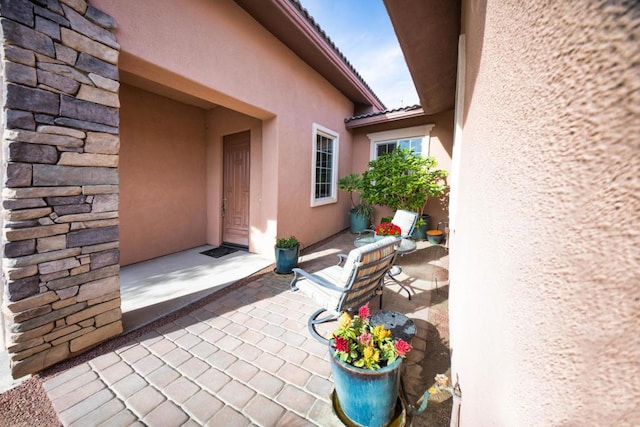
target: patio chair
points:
(346, 287)
(406, 220)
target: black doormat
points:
(220, 251)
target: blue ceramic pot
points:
(367, 397)
(286, 259)
(357, 222)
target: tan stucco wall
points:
(162, 175)
(440, 146)
(545, 267)
(217, 52)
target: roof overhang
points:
(384, 117)
(428, 32)
(292, 25)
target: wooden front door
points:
(235, 202)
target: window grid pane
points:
(324, 164)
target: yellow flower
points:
(371, 355)
(381, 333)
(344, 321)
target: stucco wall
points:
(440, 145)
(162, 175)
(217, 52)
(544, 301)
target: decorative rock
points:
(102, 143)
(30, 352)
(81, 269)
(33, 302)
(103, 259)
(31, 313)
(17, 348)
(92, 236)
(44, 119)
(42, 257)
(65, 54)
(23, 203)
(98, 288)
(99, 96)
(47, 318)
(20, 272)
(25, 214)
(32, 334)
(61, 332)
(90, 29)
(20, 11)
(105, 203)
(22, 288)
(20, 248)
(79, 6)
(55, 14)
(20, 120)
(59, 130)
(65, 70)
(29, 193)
(72, 209)
(93, 217)
(22, 74)
(83, 278)
(110, 316)
(67, 200)
(104, 83)
(35, 232)
(100, 18)
(59, 82)
(40, 361)
(84, 44)
(95, 337)
(19, 55)
(92, 64)
(92, 311)
(18, 175)
(89, 159)
(101, 247)
(69, 337)
(44, 175)
(80, 124)
(42, 138)
(100, 189)
(47, 27)
(88, 111)
(27, 38)
(31, 99)
(58, 265)
(67, 293)
(53, 243)
(32, 153)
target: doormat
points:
(220, 251)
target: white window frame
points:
(327, 133)
(378, 138)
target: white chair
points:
(345, 288)
(406, 220)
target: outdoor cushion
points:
(350, 263)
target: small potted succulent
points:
(287, 250)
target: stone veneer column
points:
(60, 180)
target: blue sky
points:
(362, 30)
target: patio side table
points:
(399, 324)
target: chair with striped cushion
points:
(346, 287)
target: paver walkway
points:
(244, 358)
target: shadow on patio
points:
(243, 356)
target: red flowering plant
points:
(358, 343)
(388, 229)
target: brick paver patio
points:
(245, 358)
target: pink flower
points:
(365, 338)
(364, 312)
(341, 344)
(403, 347)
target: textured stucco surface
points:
(545, 266)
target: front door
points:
(235, 203)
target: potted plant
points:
(403, 179)
(287, 250)
(360, 214)
(365, 359)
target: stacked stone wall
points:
(60, 180)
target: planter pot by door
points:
(286, 259)
(357, 222)
(367, 397)
(420, 231)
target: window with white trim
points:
(415, 138)
(324, 166)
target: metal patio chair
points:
(346, 287)
(404, 219)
